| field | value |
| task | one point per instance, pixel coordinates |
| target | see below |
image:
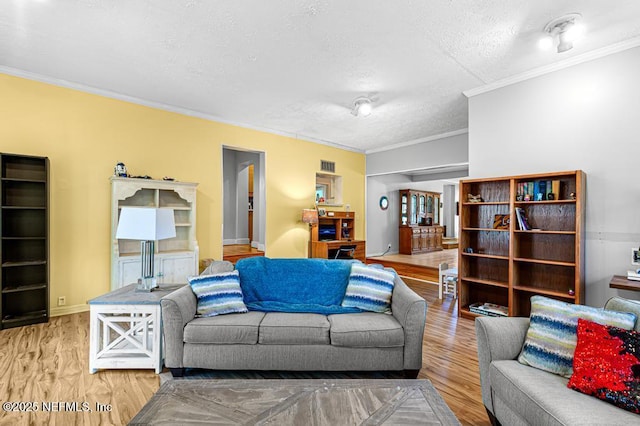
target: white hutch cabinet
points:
(175, 258)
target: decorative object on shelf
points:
(474, 198)
(384, 203)
(120, 170)
(310, 216)
(147, 225)
(501, 221)
(572, 196)
(167, 178)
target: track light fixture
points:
(563, 30)
(362, 107)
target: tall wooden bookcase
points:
(24, 254)
(506, 266)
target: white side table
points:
(126, 329)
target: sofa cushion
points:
(551, 338)
(366, 330)
(218, 266)
(620, 304)
(218, 294)
(543, 398)
(224, 329)
(604, 364)
(280, 328)
(369, 288)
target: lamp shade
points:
(146, 224)
(310, 216)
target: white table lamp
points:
(147, 225)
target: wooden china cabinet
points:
(420, 229)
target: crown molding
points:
(418, 141)
(164, 107)
(537, 72)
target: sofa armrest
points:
(178, 308)
(498, 339)
(410, 310)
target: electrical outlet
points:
(62, 300)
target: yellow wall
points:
(85, 135)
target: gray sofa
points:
(515, 394)
(293, 341)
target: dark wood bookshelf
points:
(24, 248)
(508, 266)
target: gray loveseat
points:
(294, 341)
(515, 394)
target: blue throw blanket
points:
(295, 285)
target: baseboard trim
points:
(67, 310)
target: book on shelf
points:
(538, 190)
(523, 224)
(541, 195)
(489, 309)
(555, 189)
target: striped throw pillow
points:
(369, 289)
(552, 336)
(218, 294)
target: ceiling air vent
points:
(327, 166)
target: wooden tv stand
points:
(343, 225)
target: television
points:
(326, 232)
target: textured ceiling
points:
(296, 66)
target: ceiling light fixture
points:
(362, 107)
(566, 29)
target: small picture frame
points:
(501, 221)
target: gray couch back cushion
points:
(624, 305)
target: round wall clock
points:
(384, 202)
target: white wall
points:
(583, 117)
(444, 151)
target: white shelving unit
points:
(175, 258)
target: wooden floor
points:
(423, 266)
(235, 252)
(49, 362)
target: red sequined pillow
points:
(606, 364)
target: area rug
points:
(319, 402)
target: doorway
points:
(244, 204)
